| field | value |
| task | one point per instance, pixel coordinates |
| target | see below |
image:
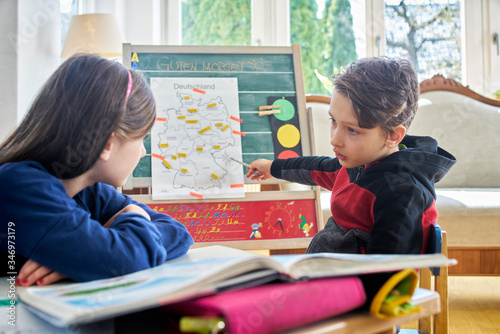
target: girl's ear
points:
(106, 152)
(396, 136)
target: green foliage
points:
(304, 32)
(326, 43)
(340, 46)
(208, 22)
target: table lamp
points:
(93, 33)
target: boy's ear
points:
(106, 152)
(396, 136)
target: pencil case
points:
(393, 298)
(276, 307)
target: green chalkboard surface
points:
(262, 72)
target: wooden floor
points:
(474, 305)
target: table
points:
(356, 322)
(363, 323)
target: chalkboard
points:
(265, 75)
(262, 73)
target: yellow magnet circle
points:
(288, 135)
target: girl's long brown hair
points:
(75, 113)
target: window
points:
(458, 44)
(428, 33)
(325, 31)
(68, 9)
(208, 22)
(331, 35)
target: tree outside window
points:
(208, 22)
(427, 33)
(326, 38)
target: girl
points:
(61, 215)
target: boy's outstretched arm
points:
(260, 170)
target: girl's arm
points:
(32, 272)
(129, 208)
(173, 236)
(67, 236)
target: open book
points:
(202, 271)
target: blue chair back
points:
(435, 244)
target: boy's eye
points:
(333, 121)
(352, 131)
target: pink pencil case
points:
(274, 308)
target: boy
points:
(382, 180)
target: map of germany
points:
(194, 138)
(197, 150)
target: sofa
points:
(468, 198)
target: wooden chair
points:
(436, 279)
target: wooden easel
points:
(262, 72)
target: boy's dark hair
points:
(383, 91)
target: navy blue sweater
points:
(66, 234)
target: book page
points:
(196, 273)
(336, 264)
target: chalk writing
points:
(233, 221)
(167, 64)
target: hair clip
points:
(129, 88)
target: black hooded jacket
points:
(384, 208)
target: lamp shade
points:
(93, 33)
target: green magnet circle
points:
(287, 110)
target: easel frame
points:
(305, 128)
(294, 51)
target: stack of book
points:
(249, 291)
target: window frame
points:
(480, 64)
(270, 27)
